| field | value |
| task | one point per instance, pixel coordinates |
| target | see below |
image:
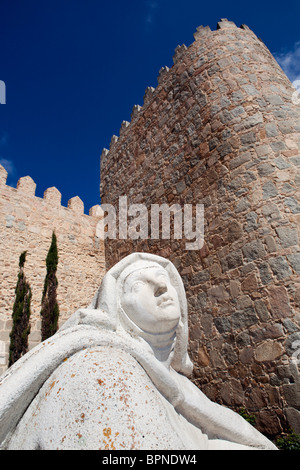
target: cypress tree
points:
(20, 316)
(50, 310)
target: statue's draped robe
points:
(180, 406)
(60, 385)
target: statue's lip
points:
(165, 301)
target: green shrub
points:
(247, 417)
(289, 442)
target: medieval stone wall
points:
(27, 223)
(221, 129)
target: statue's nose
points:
(160, 289)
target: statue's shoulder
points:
(99, 398)
(105, 374)
(106, 368)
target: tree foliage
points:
(20, 316)
(50, 309)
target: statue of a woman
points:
(115, 376)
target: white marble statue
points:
(115, 375)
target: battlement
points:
(52, 196)
(26, 224)
(225, 30)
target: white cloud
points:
(151, 7)
(290, 61)
(4, 138)
(8, 165)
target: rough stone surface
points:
(26, 224)
(221, 129)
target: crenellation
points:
(162, 73)
(95, 211)
(104, 155)
(179, 53)
(76, 204)
(113, 141)
(135, 111)
(244, 26)
(148, 94)
(124, 126)
(26, 185)
(3, 175)
(201, 32)
(26, 224)
(53, 196)
(225, 24)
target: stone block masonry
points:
(26, 223)
(220, 129)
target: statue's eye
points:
(137, 286)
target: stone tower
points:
(221, 129)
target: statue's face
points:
(150, 300)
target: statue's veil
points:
(107, 299)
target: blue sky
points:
(74, 69)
